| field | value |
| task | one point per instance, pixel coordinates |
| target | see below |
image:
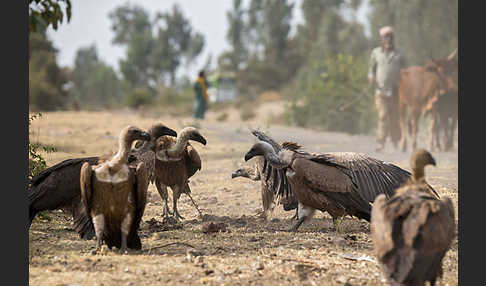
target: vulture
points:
(413, 230)
(114, 194)
(58, 186)
(259, 171)
(175, 162)
(341, 183)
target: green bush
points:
(138, 96)
(321, 88)
(37, 163)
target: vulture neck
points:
(418, 174)
(121, 157)
(179, 146)
(280, 161)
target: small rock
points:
(275, 220)
(208, 271)
(126, 269)
(342, 279)
(259, 266)
(198, 260)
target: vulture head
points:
(260, 148)
(160, 129)
(191, 133)
(242, 172)
(420, 159)
(131, 133)
(155, 132)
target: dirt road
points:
(252, 251)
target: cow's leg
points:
(403, 126)
(434, 131)
(414, 123)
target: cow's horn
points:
(452, 55)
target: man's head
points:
(201, 73)
(386, 35)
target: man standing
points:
(384, 72)
(201, 99)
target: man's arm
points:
(372, 68)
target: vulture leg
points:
(176, 193)
(162, 189)
(125, 229)
(99, 226)
(296, 215)
(304, 213)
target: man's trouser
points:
(388, 119)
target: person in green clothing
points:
(201, 88)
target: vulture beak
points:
(249, 155)
(234, 175)
(199, 138)
(169, 132)
(433, 162)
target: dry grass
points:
(252, 251)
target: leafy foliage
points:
(48, 12)
(317, 99)
(156, 48)
(95, 84)
(37, 163)
(423, 29)
(47, 81)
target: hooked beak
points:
(199, 138)
(169, 132)
(433, 162)
(249, 155)
(234, 175)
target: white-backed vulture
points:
(58, 186)
(114, 194)
(176, 161)
(332, 181)
(413, 230)
(259, 171)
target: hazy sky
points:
(90, 25)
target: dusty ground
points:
(252, 251)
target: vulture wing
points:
(85, 178)
(140, 186)
(40, 177)
(370, 176)
(410, 232)
(193, 161)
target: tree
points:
(423, 29)
(95, 84)
(47, 81)
(235, 36)
(155, 48)
(48, 12)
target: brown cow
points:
(420, 89)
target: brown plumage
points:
(412, 231)
(57, 187)
(176, 161)
(256, 173)
(114, 194)
(332, 181)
